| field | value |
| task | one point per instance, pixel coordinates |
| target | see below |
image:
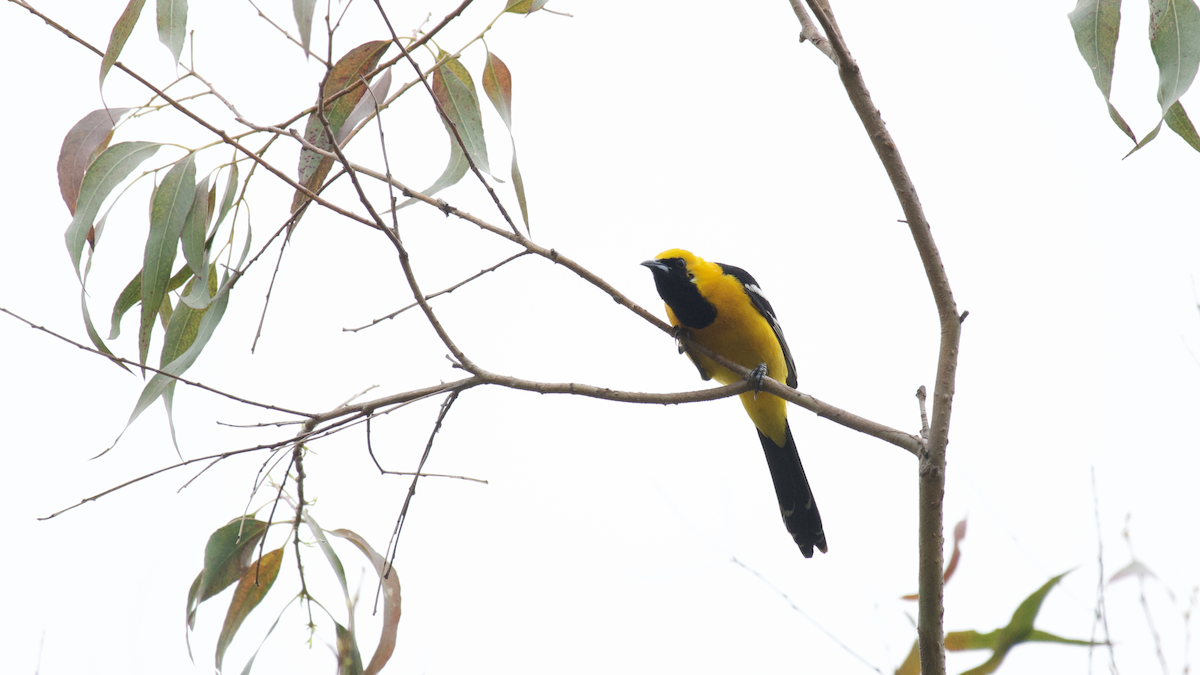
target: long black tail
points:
(796, 502)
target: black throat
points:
(682, 296)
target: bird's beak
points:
(655, 265)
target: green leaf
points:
(525, 6)
(208, 324)
(1175, 42)
(1019, 629)
(82, 144)
(1097, 24)
(227, 556)
(195, 227)
(87, 317)
(120, 33)
(1177, 121)
(104, 174)
(132, 295)
(349, 659)
(303, 11)
(172, 25)
(391, 601)
(230, 194)
(497, 83)
(168, 209)
(252, 588)
(454, 171)
(181, 334)
(347, 73)
(332, 557)
(455, 92)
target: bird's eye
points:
(679, 263)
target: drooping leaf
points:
(454, 171)
(250, 663)
(303, 11)
(195, 227)
(334, 562)
(93, 335)
(1097, 24)
(455, 93)
(120, 34)
(497, 83)
(227, 555)
(104, 174)
(251, 589)
(1175, 42)
(172, 25)
(349, 658)
(168, 209)
(132, 295)
(208, 324)
(180, 335)
(366, 105)
(525, 6)
(230, 193)
(82, 144)
(391, 601)
(347, 73)
(1178, 121)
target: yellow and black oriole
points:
(723, 308)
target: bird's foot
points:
(757, 376)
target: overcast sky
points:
(616, 537)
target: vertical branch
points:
(932, 469)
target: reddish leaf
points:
(391, 601)
(347, 73)
(82, 144)
(252, 588)
(103, 174)
(120, 33)
(497, 83)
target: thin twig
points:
(444, 291)
(394, 544)
(1101, 613)
(177, 378)
(804, 614)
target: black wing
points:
(764, 307)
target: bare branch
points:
(444, 291)
(809, 31)
(933, 462)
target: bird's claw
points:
(757, 376)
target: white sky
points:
(604, 540)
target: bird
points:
(723, 308)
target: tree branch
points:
(932, 470)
